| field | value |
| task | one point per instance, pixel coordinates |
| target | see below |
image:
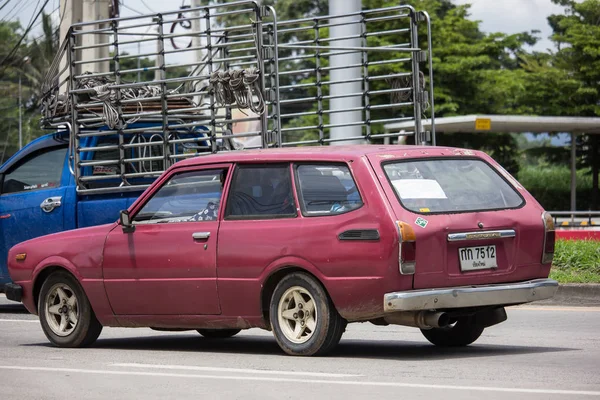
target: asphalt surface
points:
(547, 352)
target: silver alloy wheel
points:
(61, 309)
(297, 315)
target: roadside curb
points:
(582, 294)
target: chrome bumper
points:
(470, 296)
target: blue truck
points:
(42, 193)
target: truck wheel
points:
(303, 318)
(464, 332)
(218, 333)
(66, 316)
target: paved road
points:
(539, 353)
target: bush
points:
(550, 185)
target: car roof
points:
(330, 153)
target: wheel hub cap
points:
(61, 309)
(297, 315)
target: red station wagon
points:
(300, 241)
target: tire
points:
(303, 318)
(218, 333)
(65, 312)
(464, 332)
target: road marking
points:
(305, 381)
(232, 370)
(544, 308)
(19, 320)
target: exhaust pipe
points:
(419, 319)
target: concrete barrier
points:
(576, 294)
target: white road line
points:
(232, 370)
(305, 381)
(559, 308)
(19, 320)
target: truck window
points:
(450, 185)
(38, 171)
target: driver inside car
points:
(211, 211)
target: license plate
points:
(475, 258)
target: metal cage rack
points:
(237, 78)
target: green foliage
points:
(550, 185)
(576, 261)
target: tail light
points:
(407, 248)
(549, 238)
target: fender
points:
(340, 289)
(290, 261)
(93, 288)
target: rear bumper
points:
(13, 292)
(470, 296)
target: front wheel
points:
(303, 317)
(218, 333)
(66, 315)
(464, 332)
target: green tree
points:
(567, 81)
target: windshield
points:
(450, 185)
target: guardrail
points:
(575, 214)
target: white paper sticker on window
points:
(419, 189)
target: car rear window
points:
(450, 185)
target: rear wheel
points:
(303, 317)
(218, 333)
(464, 332)
(66, 315)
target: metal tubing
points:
(430, 59)
(349, 48)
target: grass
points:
(576, 261)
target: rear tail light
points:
(407, 253)
(549, 238)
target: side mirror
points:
(125, 222)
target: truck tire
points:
(65, 312)
(464, 332)
(218, 333)
(303, 318)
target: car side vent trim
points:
(359, 234)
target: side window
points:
(261, 191)
(326, 189)
(186, 197)
(40, 171)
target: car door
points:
(167, 265)
(31, 199)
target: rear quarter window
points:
(326, 189)
(450, 186)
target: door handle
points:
(51, 203)
(200, 235)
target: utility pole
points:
(76, 11)
(350, 76)
(20, 117)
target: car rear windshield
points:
(450, 185)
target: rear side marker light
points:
(407, 253)
(549, 238)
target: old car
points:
(300, 241)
